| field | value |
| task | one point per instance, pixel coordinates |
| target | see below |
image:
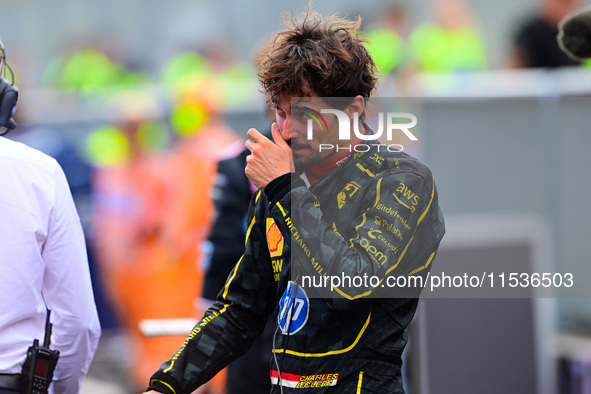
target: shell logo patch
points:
(274, 238)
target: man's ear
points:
(356, 106)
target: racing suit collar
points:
(318, 171)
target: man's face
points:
(292, 119)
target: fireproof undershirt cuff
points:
(280, 186)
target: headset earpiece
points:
(8, 99)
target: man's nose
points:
(286, 132)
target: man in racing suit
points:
(366, 212)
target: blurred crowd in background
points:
(140, 148)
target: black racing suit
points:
(377, 214)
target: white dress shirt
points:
(43, 262)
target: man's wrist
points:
(280, 186)
(164, 383)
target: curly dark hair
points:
(324, 55)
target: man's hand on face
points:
(267, 160)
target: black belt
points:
(10, 381)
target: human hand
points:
(207, 388)
(268, 159)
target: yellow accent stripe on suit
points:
(423, 266)
(280, 208)
(332, 352)
(164, 383)
(359, 383)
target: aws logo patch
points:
(411, 198)
(274, 238)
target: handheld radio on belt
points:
(39, 364)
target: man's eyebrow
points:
(302, 108)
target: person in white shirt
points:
(43, 265)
